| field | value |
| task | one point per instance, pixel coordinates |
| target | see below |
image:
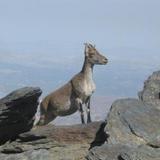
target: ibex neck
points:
(87, 67)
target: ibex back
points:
(74, 94)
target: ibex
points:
(74, 94)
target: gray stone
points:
(141, 153)
(131, 122)
(133, 129)
(29, 155)
(151, 91)
(123, 152)
(17, 112)
(106, 152)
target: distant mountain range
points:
(122, 76)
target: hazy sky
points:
(38, 36)
(114, 23)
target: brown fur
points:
(70, 97)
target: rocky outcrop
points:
(151, 91)
(133, 123)
(17, 112)
(133, 129)
(55, 142)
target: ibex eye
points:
(91, 54)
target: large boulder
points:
(151, 91)
(17, 112)
(133, 130)
(55, 142)
(132, 122)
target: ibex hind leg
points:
(48, 118)
(45, 116)
(45, 119)
(42, 115)
(41, 121)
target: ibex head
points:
(93, 56)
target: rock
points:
(133, 132)
(55, 142)
(123, 152)
(17, 111)
(140, 153)
(131, 122)
(40, 154)
(106, 152)
(151, 92)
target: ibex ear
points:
(86, 50)
(92, 46)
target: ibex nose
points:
(105, 60)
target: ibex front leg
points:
(82, 114)
(80, 107)
(88, 110)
